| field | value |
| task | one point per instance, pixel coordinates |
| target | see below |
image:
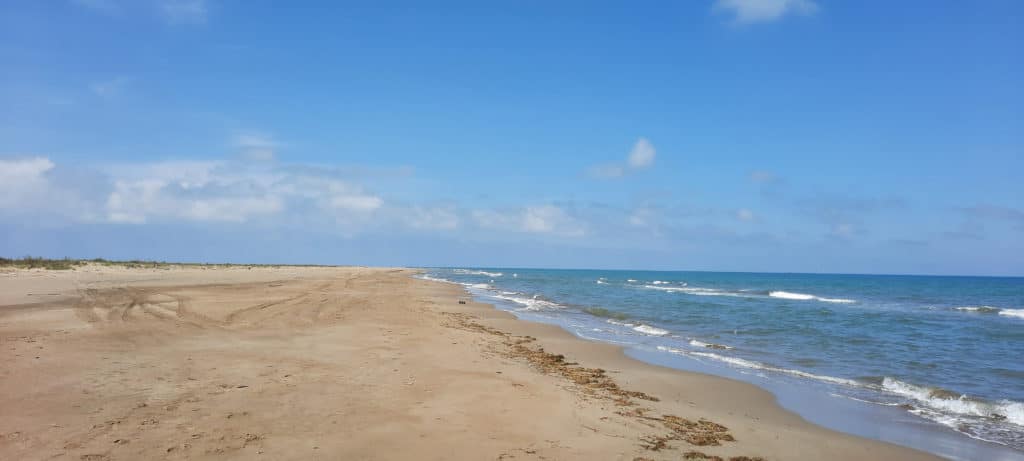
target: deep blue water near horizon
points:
(944, 353)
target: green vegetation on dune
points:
(31, 262)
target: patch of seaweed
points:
(698, 456)
(595, 382)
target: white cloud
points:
(642, 154)
(23, 181)
(436, 218)
(358, 203)
(744, 214)
(542, 219)
(37, 186)
(642, 217)
(184, 11)
(755, 11)
(231, 192)
(108, 88)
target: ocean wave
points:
(476, 272)
(601, 282)
(696, 343)
(807, 297)
(1012, 313)
(978, 309)
(620, 323)
(435, 279)
(631, 280)
(660, 282)
(534, 303)
(700, 291)
(743, 363)
(948, 402)
(649, 330)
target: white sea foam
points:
(788, 295)
(531, 304)
(963, 405)
(696, 343)
(435, 279)
(807, 297)
(476, 272)
(601, 282)
(1019, 313)
(659, 282)
(631, 280)
(743, 363)
(698, 291)
(649, 330)
(977, 309)
(617, 322)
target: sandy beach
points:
(192, 362)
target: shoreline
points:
(301, 362)
(745, 405)
(818, 405)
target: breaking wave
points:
(649, 330)
(476, 272)
(1012, 313)
(947, 402)
(807, 297)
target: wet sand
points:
(348, 363)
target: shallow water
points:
(945, 354)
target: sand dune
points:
(347, 363)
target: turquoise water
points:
(943, 351)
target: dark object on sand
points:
(462, 301)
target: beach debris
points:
(595, 382)
(696, 455)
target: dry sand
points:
(348, 363)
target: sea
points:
(931, 362)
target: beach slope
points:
(179, 362)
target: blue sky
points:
(747, 135)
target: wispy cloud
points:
(433, 218)
(763, 177)
(985, 212)
(111, 87)
(640, 157)
(105, 6)
(175, 12)
(642, 154)
(184, 11)
(846, 216)
(256, 146)
(541, 219)
(759, 11)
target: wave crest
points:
(807, 297)
(477, 272)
